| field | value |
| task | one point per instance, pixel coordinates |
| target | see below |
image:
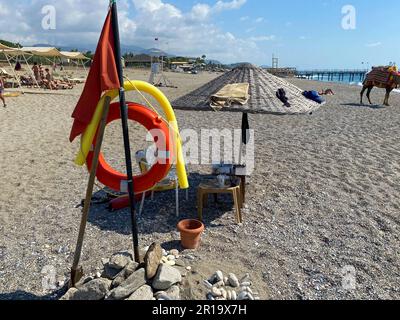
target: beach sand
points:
(324, 196)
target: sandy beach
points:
(324, 196)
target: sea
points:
(345, 80)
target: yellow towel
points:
(237, 93)
(12, 94)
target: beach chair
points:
(145, 162)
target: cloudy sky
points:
(303, 34)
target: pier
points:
(333, 75)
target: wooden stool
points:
(212, 187)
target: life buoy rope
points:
(171, 122)
(159, 129)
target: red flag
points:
(103, 76)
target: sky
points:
(304, 34)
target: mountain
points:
(9, 44)
(216, 62)
(67, 48)
(124, 49)
(156, 52)
(234, 65)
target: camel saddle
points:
(382, 77)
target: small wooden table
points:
(212, 187)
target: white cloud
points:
(200, 12)
(262, 38)
(229, 5)
(373, 45)
(191, 33)
(259, 20)
(78, 22)
(4, 9)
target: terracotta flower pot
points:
(191, 231)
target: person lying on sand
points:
(27, 81)
(63, 85)
(327, 92)
(52, 84)
(2, 91)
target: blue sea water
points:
(346, 80)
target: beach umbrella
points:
(262, 97)
(263, 88)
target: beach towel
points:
(314, 96)
(281, 95)
(231, 94)
(103, 76)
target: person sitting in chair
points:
(48, 80)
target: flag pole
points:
(76, 270)
(125, 128)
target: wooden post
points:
(76, 272)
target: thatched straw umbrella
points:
(263, 88)
(263, 99)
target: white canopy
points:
(14, 52)
(73, 55)
(4, 47)
(10, 51)
(42, 51)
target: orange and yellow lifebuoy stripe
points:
(141, 86)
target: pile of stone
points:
(158, 278)
(230, 287)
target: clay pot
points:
(191, 231)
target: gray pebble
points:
(242, 295)
(246, 284)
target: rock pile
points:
(229, 287)
(158, 278)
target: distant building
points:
(138, 61)
(283, 72)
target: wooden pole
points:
(76, 271)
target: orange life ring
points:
(151, 121)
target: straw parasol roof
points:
(263, 88)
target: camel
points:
(389, 86)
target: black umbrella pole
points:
(125, 131)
